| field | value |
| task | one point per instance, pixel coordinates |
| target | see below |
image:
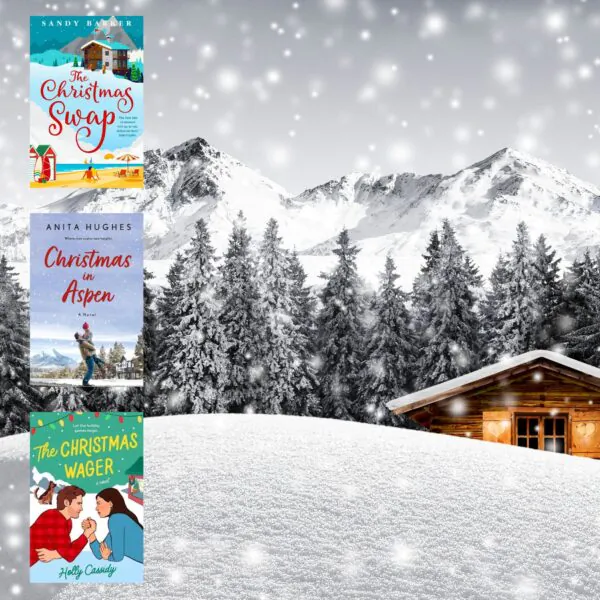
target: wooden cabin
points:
(42, 163)
(541, 400)
(105, 54)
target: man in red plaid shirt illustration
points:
(50, 535)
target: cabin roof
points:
(105, 44)
(450, 388)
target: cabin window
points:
(555, 434)
(528, 432)
(543, 432)
(106, 53)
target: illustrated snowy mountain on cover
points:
(86, 299)
(86, 497)
(86, 102)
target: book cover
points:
(86, 102)
(86, 498)
(86, 285)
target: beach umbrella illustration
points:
(128, 158)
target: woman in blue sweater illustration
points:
(125, 532)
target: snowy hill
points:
(393, 214)
(287, 507)
(51, 360)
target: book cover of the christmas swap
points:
(86, 102)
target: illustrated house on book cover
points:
(86, 102)
(541, 400)
(85, 527)
(86, 299)
(111, 56)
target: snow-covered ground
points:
(48, 381)
(271, 507)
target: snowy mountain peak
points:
(517, 165)
(195, 149)
(49, 360)
(384, 214)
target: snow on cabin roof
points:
(105, 44)
(447, 388)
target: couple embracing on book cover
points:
(50, 534)
(86, 501)
(87, 350)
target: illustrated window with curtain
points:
(542, 432)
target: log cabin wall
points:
(489, 412)
(92, 56)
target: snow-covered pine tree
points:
(241, 319)
(341, 335)
(305, 384)
(278, 353)
(17, 397)
(390, 354)
(199, 341)
(146, 358)
(423, 287)
(104, 399)
(549, 292)
(65, 399)
(452, 346)
(116, 353)
(581, 310)
(521, 312)
(581, 283)
(168, 307)
(493, 310)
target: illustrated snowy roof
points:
(105, 44)
(450, 388)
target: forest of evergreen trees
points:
(243, 332)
